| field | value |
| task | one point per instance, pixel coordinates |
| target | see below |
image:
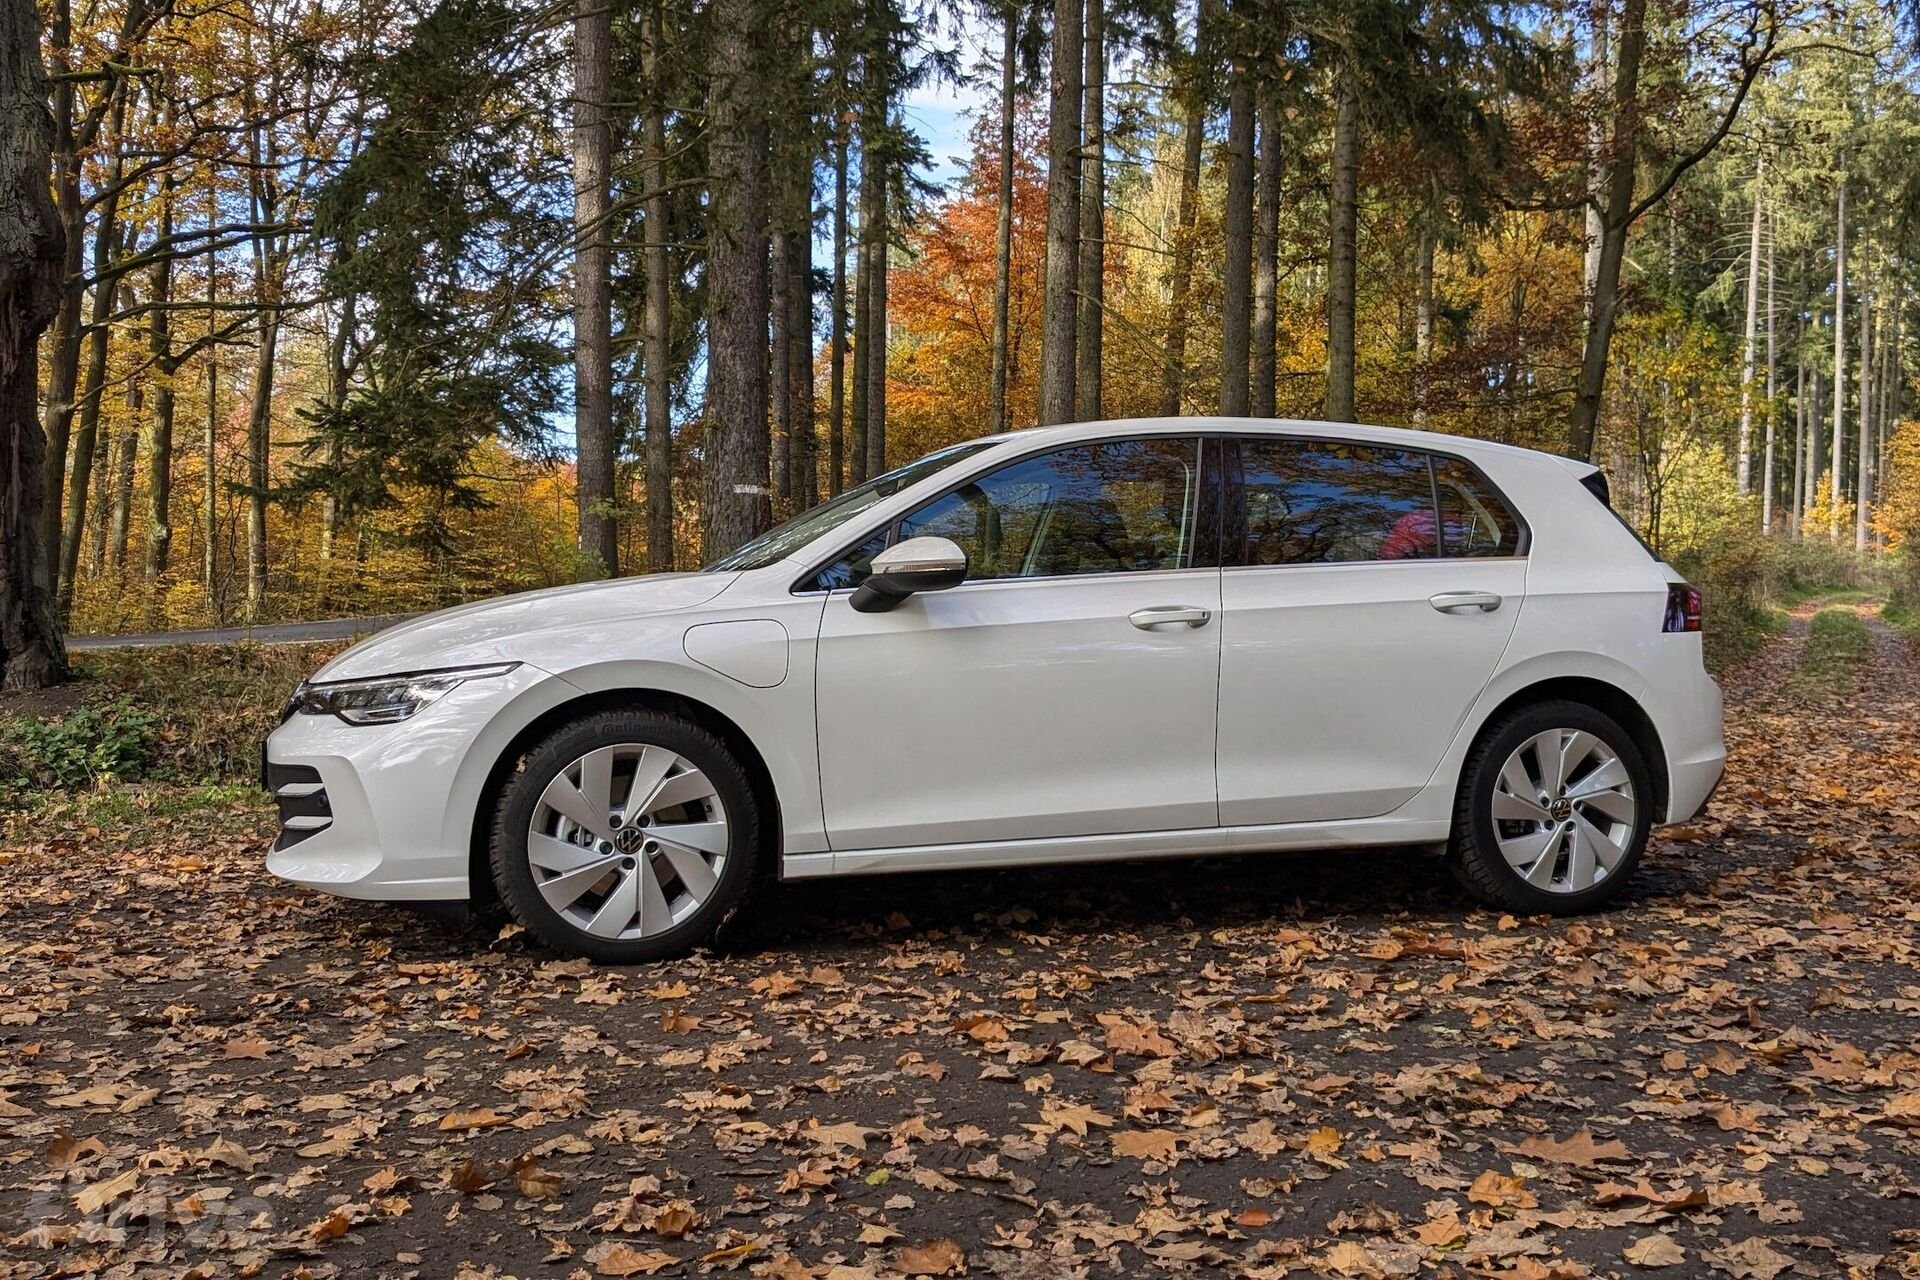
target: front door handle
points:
(1461, 601)
(1161, 615)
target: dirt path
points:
(1325, 1065)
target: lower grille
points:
(302, 798)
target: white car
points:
(1118, 640)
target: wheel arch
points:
(480, 884)
(1608, 699)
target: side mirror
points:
(918, 564)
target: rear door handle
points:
(1161, 615)
(1461, 601)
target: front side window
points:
(1329, 502)
(777, 544)
(1119, 506)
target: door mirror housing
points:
(918, 564)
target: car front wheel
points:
(1553, 811)
(624, 837)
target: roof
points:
(1402, 437)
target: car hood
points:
(510, 628)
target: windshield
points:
(777, 544)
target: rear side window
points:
(1330, 502)
(1474, 520)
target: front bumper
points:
(386, 812)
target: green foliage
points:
(1746, 578)
(436, 228)
(181, 715)
(1813, 567)
(103, 741)
(211, 705)
(1837, 646)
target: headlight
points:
(387, 699)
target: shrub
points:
(212, 704)
(106, 740)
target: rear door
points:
(1368, 595)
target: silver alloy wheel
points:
(1564, 810)
(628, 841)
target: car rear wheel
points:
(1553, 811)
(624, 837)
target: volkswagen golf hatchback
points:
(1141, 639)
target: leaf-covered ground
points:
(1325, 1065)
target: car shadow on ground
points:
(837, 918)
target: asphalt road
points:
(276, 633)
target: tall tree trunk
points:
(125, 456)
(259, 438)
(32, 255)
(780, 316)
(63, 357)
(1344, 205)
(106, 241)
(736, 436)
(1798, 505)
(1743, 470)
(1266, 251)
(1615, 217)
(1003, 230)
(101, 503)
(1599, 69)
(593, 282)
(1839, 355)
(876, 405)
(657, 352)
(1236, 294)
(1090, 323)
(269, 283)
(86, 431)
(1863, 410)
(160, 431)
(862, 335)
(1773, 389)
(805, 459)
(339, 384)
(1816, 416)
(1058, 350)
(837, 324)
(1173, 373)
(210, 490)
(1423, 313)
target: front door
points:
(1067, 688)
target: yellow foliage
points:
(1826, 516)
(1702, 506)
(1896, 517)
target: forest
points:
(325, 307)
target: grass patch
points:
(1790, 596)
(126, 815)
(1837, 647)
(1904, 615)
(1734, 633)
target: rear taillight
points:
(1683, 608)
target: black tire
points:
(513, 873)
(1474, 850)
